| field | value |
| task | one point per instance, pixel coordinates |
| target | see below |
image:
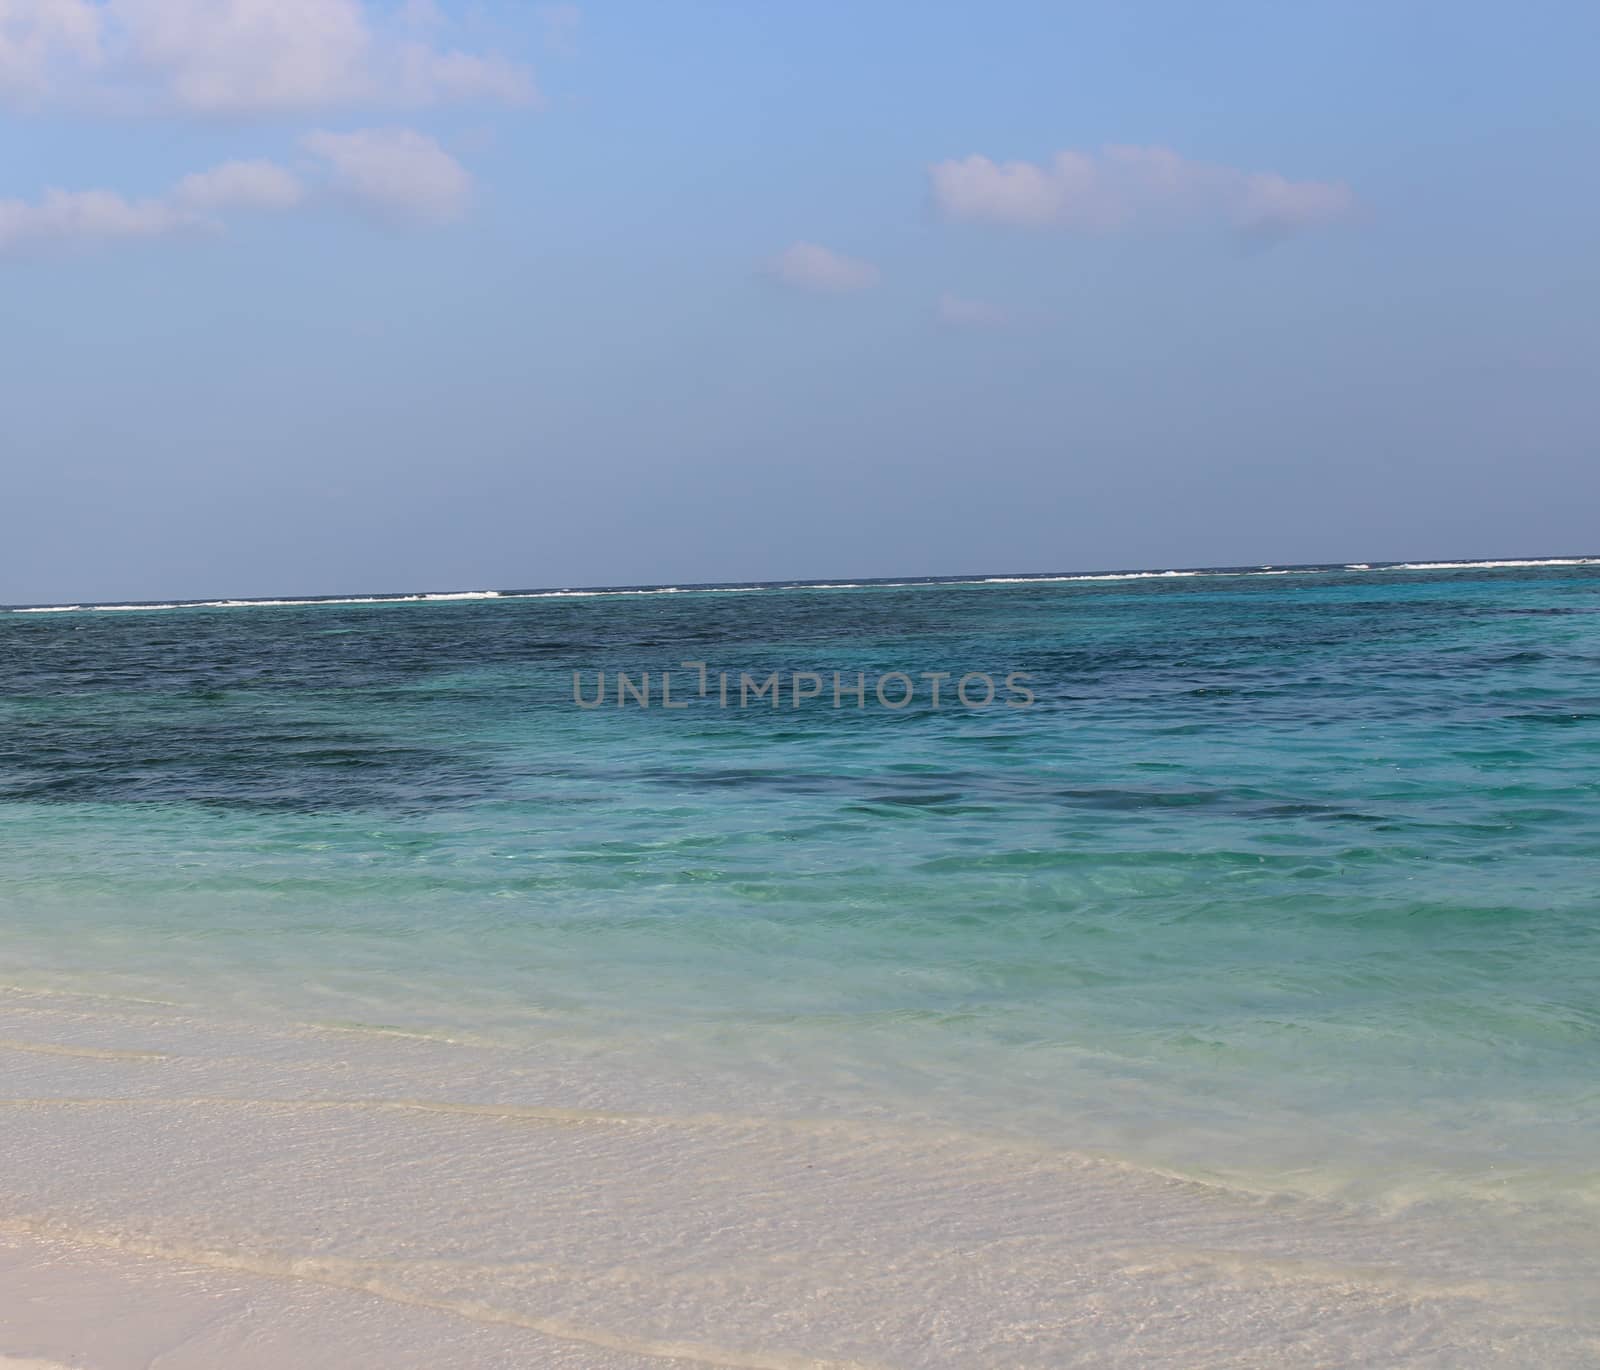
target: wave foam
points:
(1110, 575)
(258, 603)
(446, 596)
(1490, 565)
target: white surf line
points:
(1527, 562)
(328, 1275)
(1275, 1267)
(500, 1112)
(1028, 1151)
(449, 596)
(88, 1053)
(8, 992)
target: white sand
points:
(183, 1193)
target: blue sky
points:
(313, 296)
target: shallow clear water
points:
(1284, 879)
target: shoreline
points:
(429, 1195)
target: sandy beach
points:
(185, 1192)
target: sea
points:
(1210, 976)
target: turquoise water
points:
(1287, 877)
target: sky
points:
(323, 296)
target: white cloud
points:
(1272, 204)
(1129, 186)
(1020, 192)
(247, 56)
(967, 313)
(242, 57)
(806, 266)
(422, 76)
(240, 185)
(398, 172)
(38, 36)
(66, 217)
(78, 216)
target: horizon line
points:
(819, 583)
